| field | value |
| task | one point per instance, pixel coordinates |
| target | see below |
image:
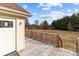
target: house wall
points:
(20, 34)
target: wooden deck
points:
(37, 48)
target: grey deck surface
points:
(37, 48)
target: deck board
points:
(37, 48)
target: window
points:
(6, 24)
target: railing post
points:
(77, 46)
(41, 36)
(59, 41)
(31, 34)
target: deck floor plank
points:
(37, 48)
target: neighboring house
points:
(12, 27)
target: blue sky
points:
(49, 11)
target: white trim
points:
(7, 17)
(14, 11)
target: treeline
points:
(65, 23)
(42, 25)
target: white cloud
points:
(69, 14)
(40, 4)
(76, 3)
(34, 14)
(48, 6)
(57, 14)
(56, 4)
(44, 6)
(76, 10)
(25, 6)
(69, 10)
(54, 15)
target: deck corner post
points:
(77, 46)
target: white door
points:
(7, 36)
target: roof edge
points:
(15, 11)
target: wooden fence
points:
(48, 38)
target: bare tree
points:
(36, 22)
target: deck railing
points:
(48, 38)
(52, 38)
